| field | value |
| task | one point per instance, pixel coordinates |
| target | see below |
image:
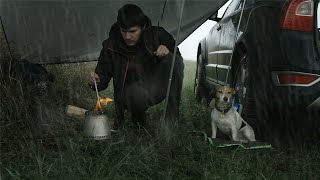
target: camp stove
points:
(97, 125)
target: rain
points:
(48, 49)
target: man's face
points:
(132, 35)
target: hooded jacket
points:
(114, 58)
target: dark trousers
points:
(142, 94)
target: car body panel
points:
(269, 48)
(212, 55)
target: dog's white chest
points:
(224, 121)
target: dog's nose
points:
(225, 99)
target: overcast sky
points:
(188, 47)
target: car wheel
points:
(199, 87)
(240, 83)
(244, 101)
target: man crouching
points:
(138, 57)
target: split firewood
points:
(75, 111)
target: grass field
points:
(59, 150)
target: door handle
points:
(219, 28)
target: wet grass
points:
(38, 141)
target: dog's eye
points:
(220, 92)
(229, 92)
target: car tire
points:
(241, 84)
(199, 80)
(244, 98)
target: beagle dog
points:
(227, 119)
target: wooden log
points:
(75, 111)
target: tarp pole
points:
(173, 63)
(7, 42)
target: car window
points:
(234, 5)
(239, 6)
(223, 9)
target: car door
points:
(228, 30)
(212, 54)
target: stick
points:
(96, 87)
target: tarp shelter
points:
(62, 31)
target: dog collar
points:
(224, 110)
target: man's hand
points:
(93, 76)
(162, 51)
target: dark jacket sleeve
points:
(104, 67)
(166, 39)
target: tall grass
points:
(38, 141)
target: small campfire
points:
(101, 101)
(78, 112)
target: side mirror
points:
(215, 17)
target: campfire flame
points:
(101, 100)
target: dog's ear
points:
(211, 95)
(234, 91)
(212, 103)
